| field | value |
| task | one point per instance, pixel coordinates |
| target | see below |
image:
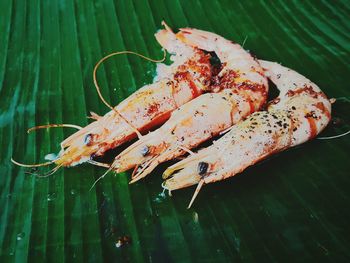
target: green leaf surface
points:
(292, 207)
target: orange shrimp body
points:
(186, 78)
(239, 89)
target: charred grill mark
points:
(196, 69)
(307, 89)
(182, 75)
(311, 114)
(185, 77)
(153, 109)
(251, 105)
(194, 91)
(227, 81)
(205, 58)
(313, 128)
(201, 65)
(323, 109)
(247, 85)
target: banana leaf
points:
(293, 207)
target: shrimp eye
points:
(144, 150)
(92, 156)
(88, 139)
(202, 168)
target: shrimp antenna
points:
(98, 164)
(53, 126)
(31, 165)
(93, 185)
(43, 127)
(334, 137)
(51, 172)
(200, 184)
(245, 39)
(98, 87)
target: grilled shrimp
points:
(187, 77)
(239, 89)
(297, 115)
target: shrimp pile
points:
(194, 100)
(240, 89)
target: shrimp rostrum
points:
(297, 115)
(186, 78)
(239, 89)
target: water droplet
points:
(124, 240)
(195, 217)
(20, 236)
(51, 197)
(237, 243)
(160, 197)
(118, 244)
(157, 200)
